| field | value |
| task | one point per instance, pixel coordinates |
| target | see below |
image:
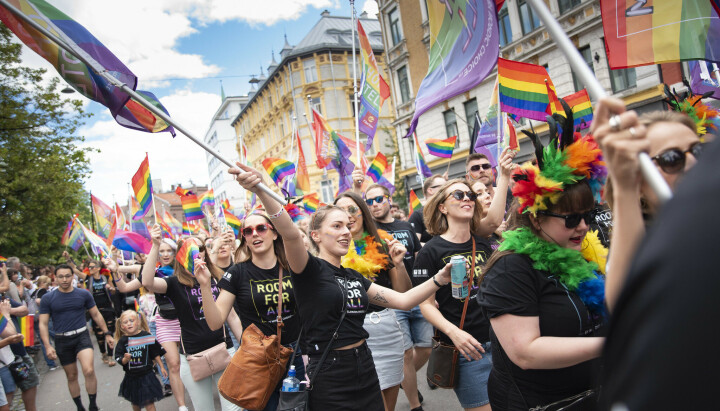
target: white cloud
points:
(250, 11)
(371, 8)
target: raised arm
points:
(496, 212)
(295, 251)
(155, 285)
(120, 283)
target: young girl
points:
(137, 350)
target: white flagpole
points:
(581, 69)
(355, 90)
(417, 160)
(716, 71)
(101, 71)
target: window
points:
(587, 56)
(622, 79)
(315, 104)
(404, 84)
(263, 144)
(470, 111)
(527, 17)
(450, 123)
(326, 191)
(566, 5)
(214, 162)
(395, 30)
(310, 70)
(270, 101)
(213, 139)
(504, 26)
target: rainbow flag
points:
(420, 159)
(75, 237)
(232, 221)
(302, 178)
(130, 241)
(377, 167)
(97, 243)
(187, 229)
(311, 202)
(208, 199)
(175, 225)
(137, 306)
(103, 214)
(164, 227)
(140, 228)
(27, 329)
(374, 89)
(441, 148)
(83, 78)
(582, 109)
(3, 321)
(278, 169)
(414, 202)
(121, 222)
(638, 34)
(142, 186)
(3, 259)
(523, 89)
(330, 150)
(187, 254)
(190, 204)
(225, 204)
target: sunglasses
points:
(92, 266)
(260, 229)
(459, 195)
(352, 210)
(673, 161)
(378, 199)
(477, 167)
(572, 220)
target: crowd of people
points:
(367, 298)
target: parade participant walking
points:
(101, 288)
(67, 306)
(416, 219)
(251, 286)
(137, 350)
(332, 301)
(8, 335)
(43, 284)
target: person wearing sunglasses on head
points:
(430, 186)
(332, 300)
(251, 287)
(183, 289)
(542, 290)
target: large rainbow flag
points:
(187, 254)
(103, 214)
(142, 186)
(130, 241)
(441, 148)
(373, 89)
(524, 89)
(83, 78)
(278, 169)
(639, 33)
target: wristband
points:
(276, 215)
(436, 283)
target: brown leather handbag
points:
(257, 366)
(442, 368)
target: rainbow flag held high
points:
(415, 204)
(311, 202)
(97, 243)
(103, 214)
(27, 329)
(142, 186)
(175, 225)
(208, 199)
(187, 229)
(165, 229)
(377, 167)
(638, 33)
(374, 89)
(441, 148)
(121, 221)
(278, 169)
(420, 159)
(140, 228)
(232, 221)
(188, 253)
(131, 241)
(523, 89)
(76, 237)
(190, 204)
(582, 109)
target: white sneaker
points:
(183, 408)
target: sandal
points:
(105, 358)
(112, 363)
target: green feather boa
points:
(568, 265)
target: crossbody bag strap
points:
(470, 283)
(280, 323)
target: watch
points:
(108, 333)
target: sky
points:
(180, 50)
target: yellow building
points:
(315, 73)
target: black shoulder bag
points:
(300, 400)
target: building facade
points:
(316, 73)
(523, 38)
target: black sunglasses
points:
(673, 161)
(484, 166)
(459, 195)
(572, 220)
(378, 199)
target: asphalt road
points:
(53, 393)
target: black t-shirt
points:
(319, 297)
(166, 309)
(99, 292)
(256, 292)
(661, 349)
(404, 232)
(417, 222)
(143, 348)
(432, 258)
(513, 286)
(194, 330)
(603, 223)
(41, 292)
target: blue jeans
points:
(471, 389)
(165, 380)
(417, 331)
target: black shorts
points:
(67, 348)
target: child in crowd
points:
(136, 350)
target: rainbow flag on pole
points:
(103, 216)
(414, 202)
(420, 159)
(638, 33)
(441, 148)
(175, 225)
(374, 89)
(142, 186)
(165, 229)
(278, 169)
(311, 202)
(523, 89)
(190, 204)
(582, 109)
(187, 254)
(232, 221)
(302, 178)
(208, 199)
(377, 167)
(131, 241)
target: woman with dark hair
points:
(543, 289)
(369, 254)
(332, 301)
(183, 291)
(251, 287)
(101, 290)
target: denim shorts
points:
(387, 354)
(471, 390)
(417, 331)
(8, 382)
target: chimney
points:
(325, 13)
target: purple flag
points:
(486, 142)
(464, 52)
(703, 79)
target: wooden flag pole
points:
(581, 69)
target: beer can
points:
(459, 279)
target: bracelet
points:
(276, 215)
(436, 283)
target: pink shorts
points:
(167, 330)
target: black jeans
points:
(109, 315)
(347, 380)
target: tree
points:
(41, 165)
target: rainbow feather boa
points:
(366, 255)
(580, 272)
